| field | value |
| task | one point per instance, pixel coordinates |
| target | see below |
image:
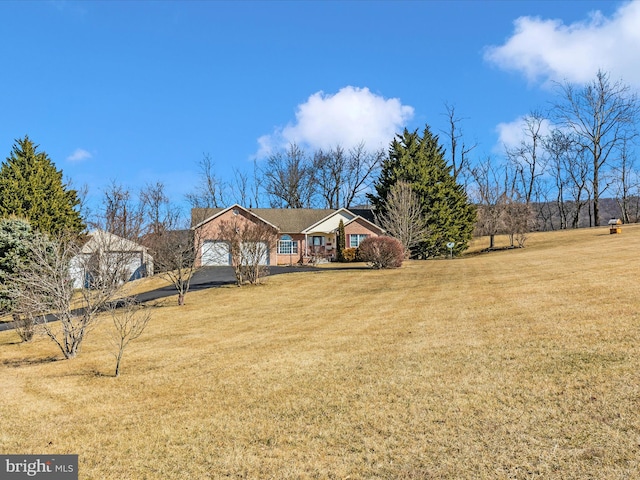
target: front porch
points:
(318, 247)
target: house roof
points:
(103, 240)
(287, 220)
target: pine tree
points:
(15, 240)
(31, 187)
(419, 161)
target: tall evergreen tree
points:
(420, 162)
(31, 187)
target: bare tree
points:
(517, 220)
(558, 146)
(578, 168)
(121, 214)
(459, 156)
(254, 202)
(626, 182)
(175, 254)
(343, 176)
(403, 218)
(362, 169)
(160, 214)
(289, 179)
(249, 246)
(602, 117)
(489, 193)
(209, 192)
(45, 287)
(129, 319)
(528, 158)
(330, 171)
(240, 187)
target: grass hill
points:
(514, 364)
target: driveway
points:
(205, 277)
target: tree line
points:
(571, 156)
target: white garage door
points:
(252, 251)
(215, 253)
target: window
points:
(287, 246)
(355, 239)
(317, 241)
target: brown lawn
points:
(515, 364)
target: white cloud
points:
(351, 116)
(79, 155)
(512, 134)
(550, 50)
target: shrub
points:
(382, 252)
(349, 254)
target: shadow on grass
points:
(99, 374)
(21, 362)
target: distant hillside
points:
(548, 216)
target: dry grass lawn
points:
(515, 364)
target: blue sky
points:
(137, 92)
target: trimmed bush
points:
(381, 252)
(349, 254)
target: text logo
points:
(46, 467)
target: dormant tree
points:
(175, 255)
(489, 194)
(241, 188)
(129, 319)
(528, 158)
(159, 214)
(288, 178)
(330, 171)
(342, 176)
(45, 288)
(626, 184)
(458, 150)
(249, 246)
(501, 209)
(121, 213)
(209, 192)
(403, 218)
(558, 146)
(601, 116)
(578, 169)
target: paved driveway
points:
(211, 277)
(205, 277)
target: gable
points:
(362, 225)
(331, 222)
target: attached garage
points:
(215, 253)
(252, 251)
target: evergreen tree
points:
(419, 161)
(31, 187)
(341, 242)
(15, 241)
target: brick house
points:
(302, 233)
